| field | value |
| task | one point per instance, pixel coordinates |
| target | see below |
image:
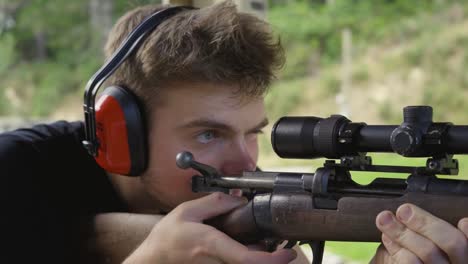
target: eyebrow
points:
(214, 124)
(260, 125)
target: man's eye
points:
(206, 137)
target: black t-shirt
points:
(50, 187)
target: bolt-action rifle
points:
(328, 205)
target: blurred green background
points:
(397, 53)
(402, 52)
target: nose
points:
(238, 159)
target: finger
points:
(209, 206)
(235, 192)
(422, 247)
(391, 247)
(445, 236)
(257, 247)
(381, 256)
(206, 260)
(463, 226)
(230, 251)
(280, 256)
(400, 256)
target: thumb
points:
(210, 206)
(463, 226)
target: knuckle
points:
(401, 235)
(463, 226)
(463, 221)
(183, 207)
(198, 251)
(405, 257)
(218, 196)
(381, 255)
(418, 223)
(213, 239)
(457, 245)
(429, 253)
(179, 210)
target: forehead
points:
(209, 93)
(186, 102)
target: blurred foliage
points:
(33, 81)
(7, 51)
(284, 96)
(318, 26)
(330, 84)
(70, 54)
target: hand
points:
(416, 236)
(181, 237)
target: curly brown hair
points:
(214, 44)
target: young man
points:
(201, 76)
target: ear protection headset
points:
(115, 127)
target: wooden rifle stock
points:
(292, 216)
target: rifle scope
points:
(336, 136)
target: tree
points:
(100, 18)
(9, 13)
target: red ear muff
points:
(120, 132)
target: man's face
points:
(213, 124)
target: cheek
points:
(163, 175)
(162, 148)
(169, 185)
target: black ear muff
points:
(115, 128)
(120, 132)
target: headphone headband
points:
(128, 46)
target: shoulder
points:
(43, 132)
(40, 139)
(51, 187)
(46, 150)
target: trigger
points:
(317, 251)
(317, 248)
(290, 244)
